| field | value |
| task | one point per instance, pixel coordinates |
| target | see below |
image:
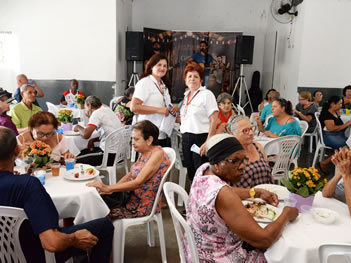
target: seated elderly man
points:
(41, 230)
(21, 80)
(105, 121)
(70, 96)
(340, 184)
(22, 111)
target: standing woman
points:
(151, 96)
(199, 115)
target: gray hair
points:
(94, 101)
(233, 121)
(223, 96)
(24, 87)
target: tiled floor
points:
(137, 250)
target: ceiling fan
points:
(284, 11)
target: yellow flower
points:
(298, 184)
(310, 184)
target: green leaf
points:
(303, 191)
(286, 182)
(319, 186)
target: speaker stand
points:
(134, 78)
(241, 83)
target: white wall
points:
(63, 39)
(326, 53)
(248, 16)
(124, 22)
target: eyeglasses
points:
(237, 162)
(247, 130)
(42, 134)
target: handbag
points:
(116, 199)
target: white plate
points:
(69, 175)
(71, 133)
(324, 215)
(281, 191)
(265, 220)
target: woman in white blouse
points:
(199, 115)
(151, 100)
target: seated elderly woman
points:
(223, 228)
(144, 177)
(257, 170)
(282, 123)
(305, 110)
(42, 126)
(224, 101)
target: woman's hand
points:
(342, 161)
(164, 111)
(292, 213)
(100, 187)
(68, 155)
(257, 118)
(267, 196)
(203, 149)
(174, 109)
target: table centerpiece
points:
(65, 117)
(80, 101)
(38, 155)
(303, 184)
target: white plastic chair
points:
(10, 247)
(179, 222)
(121, 225)
(117, 142)
(312, 135)
(52, 108)
(288, 145)
(304, 127)
(328, 250)
(320, 143)
(240, 110)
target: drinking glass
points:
(69, 164)
(55, 169)
(290, 201)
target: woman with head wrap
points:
(224, 230)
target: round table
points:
(74, 198)
(301, 239)
(76, 143)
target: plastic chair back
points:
(180, 224)
(288, 145)
(52, 108)
(328, 250)
(10, 247)
(240, 110)
(319, 128)
(114, 101)
(304, 127)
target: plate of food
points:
(81, 172)
(324, 215)
(281, 191)
(71, 133)
(261, 211)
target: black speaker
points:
(134, 45)
(244, 49)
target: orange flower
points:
(42, 153)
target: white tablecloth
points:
(345, 118)
(77, 113)
(273, 149)
(301, 239)
(77, 143)
(74, 198)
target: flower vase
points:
(81, 106)
(300, 201)
(66, 126)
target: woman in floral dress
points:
(224, 230)
(145, 176)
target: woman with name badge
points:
(199, 115)
(151, 100)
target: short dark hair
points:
(345, 89)
(129, 91)
(8, 143)
(315, 92)
(148, 129)
(42, 118)
(204, 42)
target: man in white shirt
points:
(102, 119)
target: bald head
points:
(21, 80)
(8, 144)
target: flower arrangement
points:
(65, 116)
(80, 99)
(304, 181)
(38, 154)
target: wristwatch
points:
(252, 193)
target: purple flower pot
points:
(66, 126)
(302, 200)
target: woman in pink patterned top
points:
(224, 231)
(145, 176)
